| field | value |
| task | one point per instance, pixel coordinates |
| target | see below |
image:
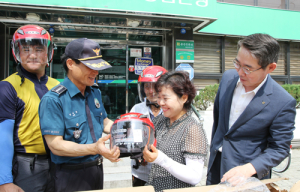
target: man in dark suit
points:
(253, 115)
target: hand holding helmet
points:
(151, 155)
(110, 154)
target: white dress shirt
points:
(240, 100)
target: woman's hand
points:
(148, 155)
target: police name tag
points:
(77, 134)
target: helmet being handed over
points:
(32, 38)
(146, 82)
(131, 132)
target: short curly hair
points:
(181, 85)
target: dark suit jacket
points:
(263, 132)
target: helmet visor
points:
(33, 50)
(131, 136)
(147, 90)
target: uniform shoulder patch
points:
(59, 89)
(95, 85)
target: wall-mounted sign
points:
(131, 68)
(187, 68)
(141, 63)
(184, 44)
(147, 51)
(184, 51)
(185, 56)
(135, 52)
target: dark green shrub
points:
(206, 97)
(294, 90)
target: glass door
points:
(112, 81)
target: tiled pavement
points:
(293, 173)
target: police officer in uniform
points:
(72, 118)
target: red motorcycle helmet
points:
(147, 80)
(31, 35)
(131, 132)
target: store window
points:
(207, 54)
(241, 2)
(281, 64)
(276, 4)
(112, 81)
(231, 50)
(295, 59)
(294, 5)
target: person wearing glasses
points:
(254, 116)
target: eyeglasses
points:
(245, 69)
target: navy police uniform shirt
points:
(62, 111)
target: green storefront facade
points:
(126, 29)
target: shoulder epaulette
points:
(95, 85)
(59, 89)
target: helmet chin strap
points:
(19, 70)
(148, 103)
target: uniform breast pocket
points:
(76, 129)
(99, 124)
(99, 118)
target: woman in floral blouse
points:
(181, 150)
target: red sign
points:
(131, 68)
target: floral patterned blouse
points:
(185, 138)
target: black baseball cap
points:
(88, 52)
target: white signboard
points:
(147, 52)
(135, 52)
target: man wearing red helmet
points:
(149, 107)
(23, 152)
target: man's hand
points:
(10, 187)
(110, 154)
(148, 155)
(238, 174)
